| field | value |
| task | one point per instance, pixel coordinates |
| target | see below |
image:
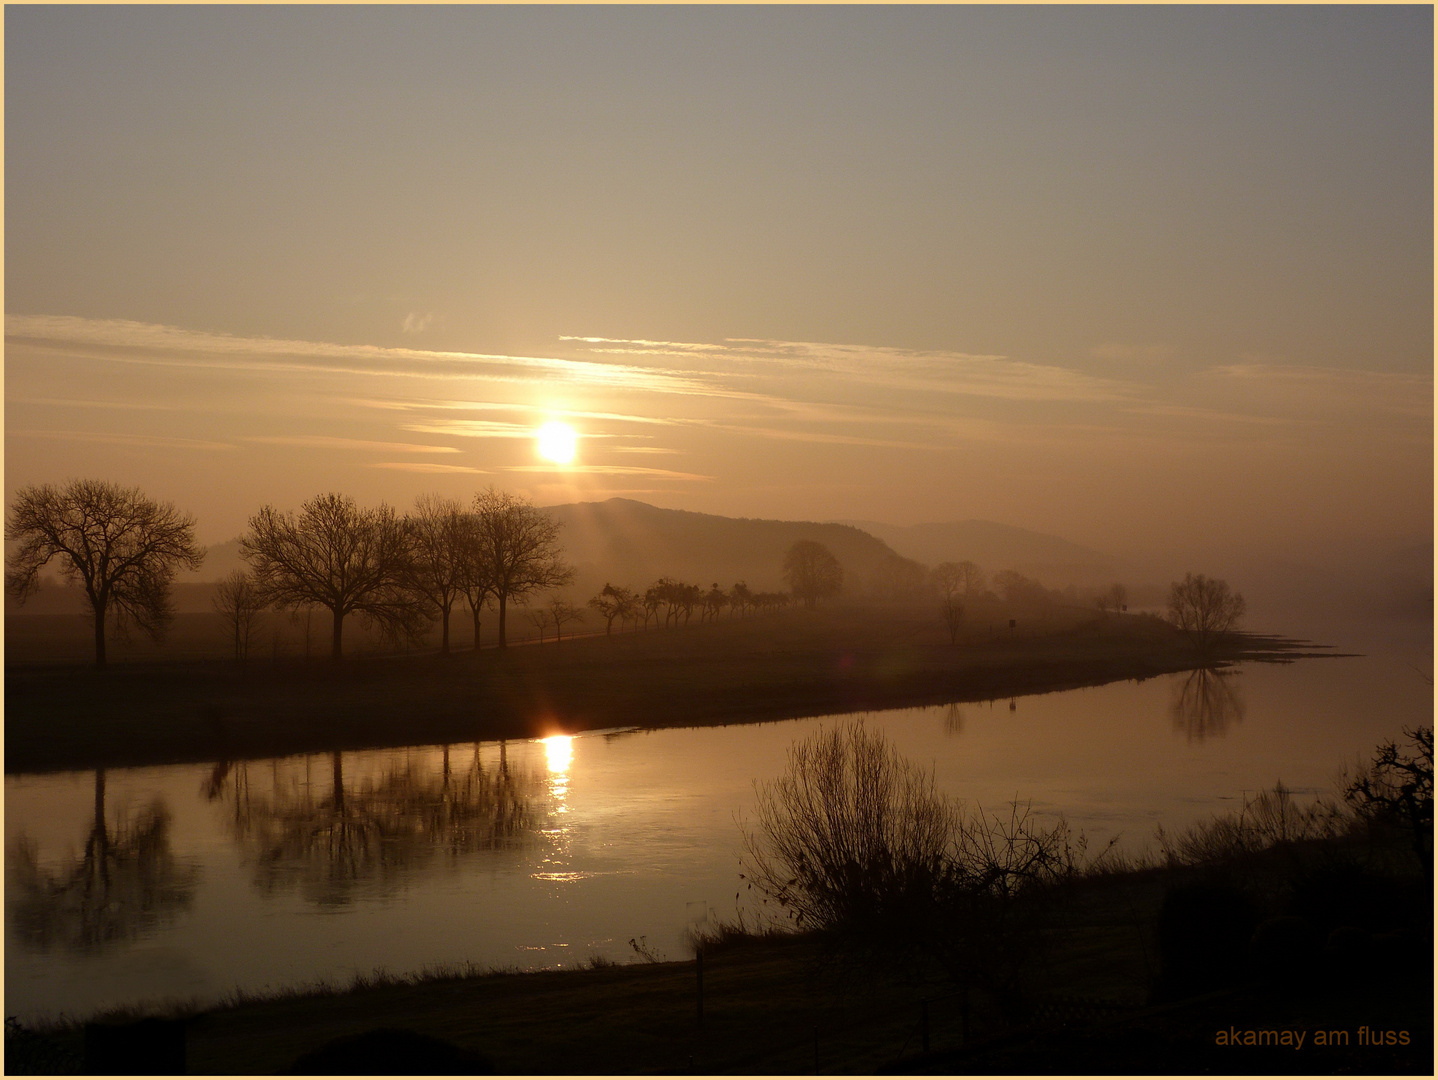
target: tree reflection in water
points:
(953, 719)
(374, 830)
(1205, 702)
(126, 882)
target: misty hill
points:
(632, 543)
(1051, 559)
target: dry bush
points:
(1270, 818)
(852, 835)
(855, 840)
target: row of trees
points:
(668, 603)
(398, 572)
(402, 573)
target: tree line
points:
(398, 572)
(404, 572)
(671, 603)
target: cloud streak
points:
(164, 442)
(333, 442)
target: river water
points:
(190, 882)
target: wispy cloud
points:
(474, 429)
(948, 373)
(414, 323)
(147, 343)
(332, 442)
(159, 441)
(612, 470)
(76, 403)
(424, 467)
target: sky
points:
(1146, 278)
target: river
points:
(189, 883)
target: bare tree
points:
(740, 599)
(239, 601)
(476, 583)
(1118, 597)
(970, 577)
(340, 557)
(812, 571)
(614, 602)
(562, 611)
(539, 618)
(950, 580)
(715, 601)
(304, 615)
(1398, 787)
(1204, 607)
(518, 548)
(121, 546)
(440, 533)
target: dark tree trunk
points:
(99, 639)
(501, 620)
(444, 639)
(337, 645)
(475, 612)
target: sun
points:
(556, 442)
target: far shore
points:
(792, 664)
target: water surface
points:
(193, 881)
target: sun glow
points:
(556, 442)
(558, 749)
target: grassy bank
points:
(791, 664)
(802, 1005)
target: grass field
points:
(191, 706)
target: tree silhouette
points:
(1398, 786)
(562, 611)
(614, 602)
(812, 571)
(517, 546)
(340, 557)
(715, 600)
(121, 546)
(239, 601)
(1203, 608)
(440, 533)
(950, 580)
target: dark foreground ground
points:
(791, 664)
(1102, 993)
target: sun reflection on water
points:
(559, 749)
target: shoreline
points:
(788, 666)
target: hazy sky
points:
(1144, 277)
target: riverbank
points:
(791, 664)
(800, 1004)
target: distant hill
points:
(632, 543)
(1050, 559)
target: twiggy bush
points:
(1267, 820)
(852, 836)
(855, 840)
